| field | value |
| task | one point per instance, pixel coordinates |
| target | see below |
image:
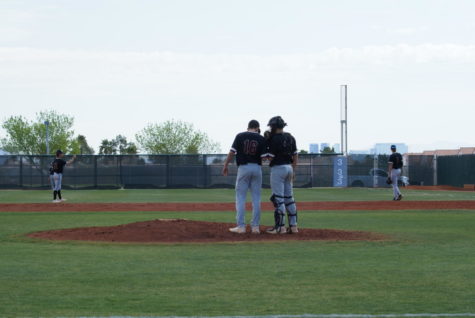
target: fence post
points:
(95, 172)
(167, 182)
(311, 170)
(375, 171)
(20, 181)
(434, 167)
(121, 181)
(205, 171)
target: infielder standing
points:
(57, 167)
(282, 150)
(249, 148)
(394, 171)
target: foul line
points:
(314, 316)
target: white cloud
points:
(154, 63)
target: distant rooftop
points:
(446, 152)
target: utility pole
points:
(343, 119)
(47, 137)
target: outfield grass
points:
(224, 195)
(426, 265)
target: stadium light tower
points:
(47, 136)
(343, 119)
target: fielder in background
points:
(56, 171)
(283, 156)
(249, 148)
(394, 171)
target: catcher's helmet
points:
(277, 122)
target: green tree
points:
(303, 152)
(175, 137)
(29, 137)
(328, 150)
(80, 146)
(117, 145)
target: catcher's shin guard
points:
(279, 219)
(291, 212)
(275, 200)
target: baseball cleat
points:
(399, 198)
(255, 230)
(56, 201)
(275, 230)
(238, 230)
(293, 229)
(62, 200)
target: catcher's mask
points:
(277, 122)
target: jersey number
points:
(250, 147)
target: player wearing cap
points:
(394, 171)
(57, 167)
(249, 148)
(282, 151)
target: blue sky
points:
(118, 65)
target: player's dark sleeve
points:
(235, 145)
(392, 159)
(294, 145)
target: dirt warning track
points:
(266, 206)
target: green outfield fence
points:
(204, 171)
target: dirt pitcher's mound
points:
(178, 230)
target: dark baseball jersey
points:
(249, 147)
(282, 148)
(58, 165)
(396, 159)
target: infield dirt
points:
(180, 231)
(266, 206)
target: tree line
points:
(28, 137)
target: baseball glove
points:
(389, 181)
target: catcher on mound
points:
(394, 171)
(283, 156)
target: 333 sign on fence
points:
(340, 171)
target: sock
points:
(55, 194)
(59, 194)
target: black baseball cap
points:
(253, 124)
(393, 147)
(58, 152)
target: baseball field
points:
(418, 259)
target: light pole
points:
(47, 137)
(343, 119)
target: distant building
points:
(359, 152)
(324, 145)
(385, 148)
(314, 148)
(446, 152)
(336, 147)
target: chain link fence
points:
(204, 171)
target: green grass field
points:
(224, 195)
(427, 265)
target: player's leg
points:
(60, 182)
(51, 180)
(290, 201)
(256, 188)
(395, 173)
(277, 178)
(242, 185)
(56, 186)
